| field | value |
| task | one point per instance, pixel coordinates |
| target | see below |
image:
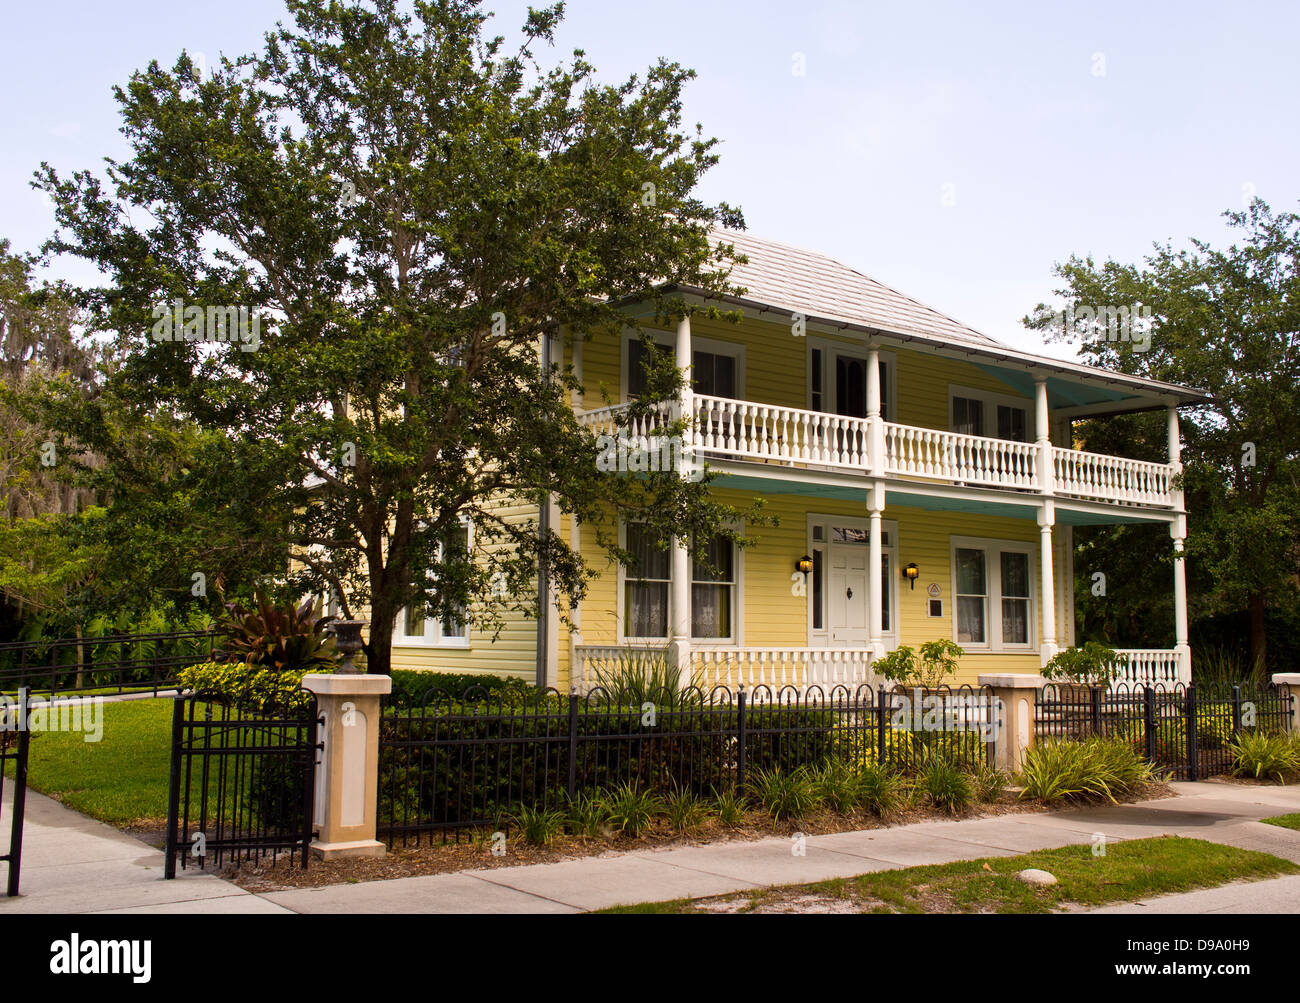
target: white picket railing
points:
(1152, 666)
(965, 459)
(778, 667)
(603, 664)
(747, 430)
(1112, 478)
(786, 434)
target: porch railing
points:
(730, 667)
(767, 433)
(1152, 667)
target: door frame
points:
(822, 638)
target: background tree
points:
(410, 208)
(1227, 321)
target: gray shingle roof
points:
(791, 278)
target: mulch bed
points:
(444, 858)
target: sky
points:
(955, 151)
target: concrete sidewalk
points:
(74, 864)
(1221, 813)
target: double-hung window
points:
(993, 589)
(647, 587)
(414, 628)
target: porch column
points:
(875, 422)
(1043, 438)
(680, 568)
(686, 398)
(1178, 532)
(875, 624)
(1047, 643)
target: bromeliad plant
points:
(279, 638)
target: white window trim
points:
(830, 348)
(991, 401)
(737, 640)
(667, 341)
(433, 635)
(821, 638)
(993, 583)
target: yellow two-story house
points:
(922, 474)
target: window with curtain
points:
(412, 624)
(713, 588)
(645, 588)
(972, 597)
(1014, 588)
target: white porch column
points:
(875, 421)
(1178, 532)
(1043, 437)
(1047, 585)
(680, 567)
(875, 622)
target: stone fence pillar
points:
(1291, 679)
(347, 777)
(1017, 695)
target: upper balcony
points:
(723, 429)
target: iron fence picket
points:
(15, 746)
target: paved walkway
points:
(74, 864)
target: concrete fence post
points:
(1017, 697)
(347, 776)
(1292, 681)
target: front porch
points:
(804, 668)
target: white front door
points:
(847, 596)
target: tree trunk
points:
(1258, 636)
(379, 649)
(81, 658)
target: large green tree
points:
(410, 206)
(1227, 321)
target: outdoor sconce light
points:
(804, 565)
(912, 573)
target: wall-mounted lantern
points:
(912, 573)
(804, 565)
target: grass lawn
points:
(1130, 870)
(122, 779)
(1291, 821)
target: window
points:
(645, 592)
(977, 412)
(713, 588)
(647, 588)
(968, 416)
(972, 597)
(1015, 597)
(992, 582)
(817, 376)
(715, 369)
(450, 631)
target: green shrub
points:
(538, 826)
(639, 676)
(784, 794)
(413, 688)
(586, 815)
(937, 661)
(835, 785)
(1060, 769)
(1093, 663)
(249, 686)
(989, 782)
(947, 786)
(685, 810)
(879, 789)
(729, 807)
(1262, 756)
(631, 810)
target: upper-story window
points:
(976, 412)
(837, 380)
(716, 367)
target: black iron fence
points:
(462, 764)
(1186, 728)
(242, 783)
(116, 663)
(14, 739)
